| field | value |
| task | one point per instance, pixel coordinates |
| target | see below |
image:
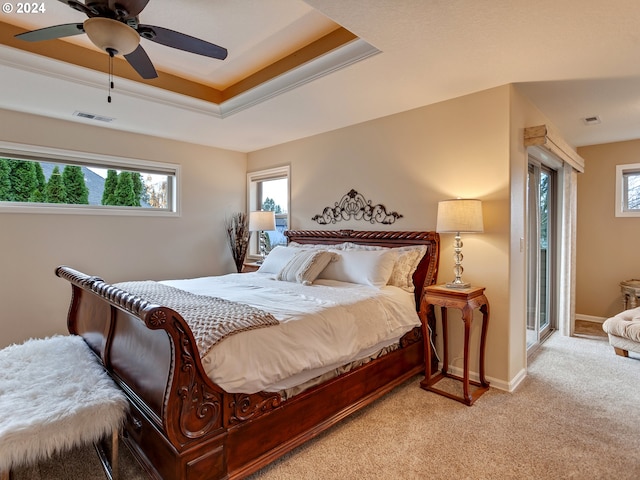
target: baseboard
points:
(590, 318)
(494, 382)
(517, 380)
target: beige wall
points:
(607, 245)
(34, 302)
(522, 114)
(409, 162)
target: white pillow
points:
(365, 267)
(317, 246)
(277, 259)
(305, 266)
(407, 261)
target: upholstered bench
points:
(54, 396)
(624, 331)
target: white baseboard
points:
(494, 382)
(590, 318)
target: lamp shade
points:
(460, 215)
(108, 34)
(261, 221)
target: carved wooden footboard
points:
(183, 426)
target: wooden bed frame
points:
(181, 425)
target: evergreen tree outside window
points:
(56, 191)
(125, 194)
(110, 185)
(22, 175)
(5, 180)
(74, 184)
(38, 195)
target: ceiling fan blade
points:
(141, 63)
(127, 8)
(178, 40)
(49, 33)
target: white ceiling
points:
(573, 58)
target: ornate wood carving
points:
(353, 205)
(244, 407)
(413, 336)
(200, 407)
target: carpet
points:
(575, 416)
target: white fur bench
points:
(54, 396)
(623, 330)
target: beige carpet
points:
(576, 416)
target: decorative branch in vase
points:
(238, 236)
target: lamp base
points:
(455, 284)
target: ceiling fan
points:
(113, 26)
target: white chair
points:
(623, 330)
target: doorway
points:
(541, 253)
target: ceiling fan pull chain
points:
(111, 53)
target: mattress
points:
(321, 327)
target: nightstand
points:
(250, 267)
(466, 300)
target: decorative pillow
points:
(318, 246)
(277, 259)
(365, 267)
(305, 266)
(407, 261)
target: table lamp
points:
(459, 216)
(261, 221)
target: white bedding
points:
(322, 326)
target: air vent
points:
(592, 120)
(91, 116)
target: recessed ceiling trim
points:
(334, 60)
(47, 67)
(337, 59)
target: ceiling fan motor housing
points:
(111, 35)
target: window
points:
(628, 190)
(39, 180)
(269, 190)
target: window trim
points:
(73, 157)
(621, 199)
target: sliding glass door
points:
(541, 253)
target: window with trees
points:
(269, 190)
(628, 190)
(37, 179)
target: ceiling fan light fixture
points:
(108, 34)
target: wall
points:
(409, 162)
(606, 247)
(34, 301)
(523, 114)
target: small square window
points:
(628, 190)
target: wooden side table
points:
(250, 267)
(466, 300)
(630, 293)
